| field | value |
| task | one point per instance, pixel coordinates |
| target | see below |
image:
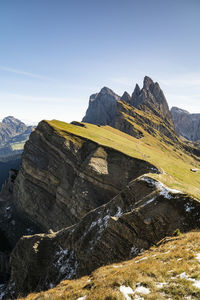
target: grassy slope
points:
(174, 162)
(157, 269)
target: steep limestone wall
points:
(64, 177)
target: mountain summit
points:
(107, 108)
(102, 106)
(151, 97)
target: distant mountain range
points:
(13, 135)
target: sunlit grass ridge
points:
(174, 163)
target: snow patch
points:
(196, 283)
(126, 291)
(160, 285)
(198, 257)
(66, 262)
(141, 259)
(142, 290)
(134, 251)
(119, 212)
(149, 201)
(164, 191)
(82, 298)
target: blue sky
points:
(55, 53)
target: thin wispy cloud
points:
(24, 73)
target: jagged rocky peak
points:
(102, 107)
(135, 95)
(11, 120)
(151, 97)
(106, 91)
(147, 83)
(126, 97)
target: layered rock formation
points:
(139, 216)
(64, 177)
(186, 124)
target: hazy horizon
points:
(55, 54)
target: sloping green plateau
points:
(173, 162)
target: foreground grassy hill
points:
(170, 158)
(169, 270)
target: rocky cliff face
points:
(139, 216)
(102, 107)
(186, 124)
(63, 178)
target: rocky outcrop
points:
(64, 177)
(102, 107)
(126, 97)
(143, 213)
(186, 124)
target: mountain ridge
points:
(150, 97)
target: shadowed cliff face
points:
(5, 249)
(186, 124)
(4, 243)
(139, 216)
(102, 107)
(61, 179)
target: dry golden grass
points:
(158, 269)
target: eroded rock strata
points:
(143, 213)
(63, 178)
